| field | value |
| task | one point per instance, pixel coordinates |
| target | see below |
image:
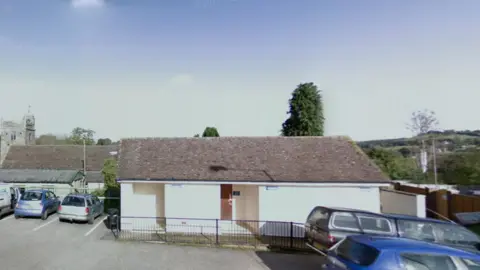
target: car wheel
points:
(44, 215)
(61, 220)
(16, 217)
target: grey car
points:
(80, 207)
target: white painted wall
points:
(293, 204)
(396, 202)
(185, 203)
(94, 186)
(246, 204)
(142, 206)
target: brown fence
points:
(443, 204)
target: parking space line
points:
(96, 226)
(7, 218)
(43, 225)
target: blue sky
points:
(169, 68)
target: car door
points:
(99, 204)
(319, 225)
(47, 204)
(55, 200)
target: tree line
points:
(458, 157)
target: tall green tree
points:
(109, 173)
(306, 112)
(394, 164)
(210, 132)
(104, 141)
(78, 135)
(460, 168)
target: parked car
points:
(438, 231)
(9, 196)
(380, 253)
(80, 207)
(326, 226)
(37, 203)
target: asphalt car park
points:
(32, 243)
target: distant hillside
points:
(446, 141)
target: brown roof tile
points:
(60, 157)
(293, 159)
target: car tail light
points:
(331, 238)
(87, 210)
(59, 208)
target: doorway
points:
(226, 201)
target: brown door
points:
(225, 200)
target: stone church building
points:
(16, 133)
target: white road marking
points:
(7, 218)
(96, 226)
(43, 225)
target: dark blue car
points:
(37, 203)
(381, 253)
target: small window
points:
(427, 262)
(89, 202)
(318, 215)
(74, 201)
(32, 196)
(375, 224)
(345, 221)
(357, 253)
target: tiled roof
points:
(39, 176)
(57, 157)
(295, 159)
(94, 177)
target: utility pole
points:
(434, 155)
(84, 164)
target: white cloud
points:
(181, 80)
(88, 3)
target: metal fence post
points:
(291, 234)
(216, 232)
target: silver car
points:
(80, 207)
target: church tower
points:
(29, 126)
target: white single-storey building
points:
(241, 182)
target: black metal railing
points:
(271, 234)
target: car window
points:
(318, 215)
(438, 232)
(344, 221)
(95, 200)
(32, 196)
(471, 264)
(89, 202)
(52, 195)
(427, 262)
(376, 224)
(47, 195)
(357, 253)
(73, 201)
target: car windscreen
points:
(357, 253)
(443, 233)
(32, 196)
(74, 201)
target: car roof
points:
(342, 209)
(79, 195)
(36, 190)
(410, 245)
(414, 218)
